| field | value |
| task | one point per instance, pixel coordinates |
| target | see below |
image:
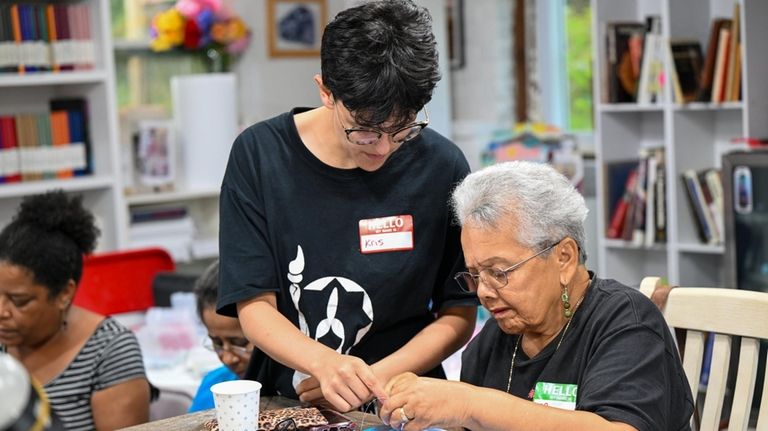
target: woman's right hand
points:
(344, 381)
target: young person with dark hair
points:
(336, 243)
(225, 337)
(90, 366)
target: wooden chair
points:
(726, 313)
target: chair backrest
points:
(726, 313)
(121, 281)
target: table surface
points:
(195, 421)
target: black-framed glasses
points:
(238, 346)
(286, 425)
(492, 277)
(365, 136)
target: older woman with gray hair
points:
(566, 350)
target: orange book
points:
(721, 66)
(16, 28)
(61, 138)
(49, 13)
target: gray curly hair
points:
(537, 197)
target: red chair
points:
(121, 281)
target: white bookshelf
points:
(31, 92)
(690, 135)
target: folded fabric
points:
(304, 417)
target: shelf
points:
(50, 78)
(628, 245)
(701, 248)
(160, 198)
(701, 106)
(131, 45)
(629, 107)
(68, 185)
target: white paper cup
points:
(237, 405)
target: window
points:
(565, 63)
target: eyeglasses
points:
(492, 277)
(237, 346)
(363, 136)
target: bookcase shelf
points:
(628, 107)
(691, 135)
(689, 247)
(31, 92)
(50, 78)
(171, 197)
(78, 184)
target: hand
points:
(345, 382)
(309, 392)
(661, 293)
(426, 403)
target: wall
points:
(483, 88)
(272, 86)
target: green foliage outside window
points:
(579, 64)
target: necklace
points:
(567, 325)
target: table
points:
(195, 421)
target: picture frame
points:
(155, 153)
(296, 27)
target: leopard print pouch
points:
(305, 418)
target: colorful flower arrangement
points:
(200, 25)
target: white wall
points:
(270, 86)
(483, 90)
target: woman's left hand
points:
(416, 403)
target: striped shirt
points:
(110, 356)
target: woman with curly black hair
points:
(89, 365)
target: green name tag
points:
(560, 395)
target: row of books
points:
(637, 199)
(45, 37)
(634, 66)
(45, 145)
(705, 195)
(716, 76)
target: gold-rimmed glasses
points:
(366, 136)
(492, 277)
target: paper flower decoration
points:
(207, 26)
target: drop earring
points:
(566, 303)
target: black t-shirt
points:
(618, 350)
(291, 224)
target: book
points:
(624, 46)
(661, 198)
(721, 65)
(622, 177)
(637, 232)
(650, 198)
(710, 57)
(702, 217)
(730, 78)
(688, 63)
(77, 116)
(714, 185)
(650, 88)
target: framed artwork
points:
(295, 27)
(155, 150)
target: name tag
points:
(383, 234)
(560, 395)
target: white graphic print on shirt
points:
(337, 331)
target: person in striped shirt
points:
(89, 365)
